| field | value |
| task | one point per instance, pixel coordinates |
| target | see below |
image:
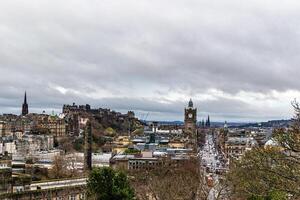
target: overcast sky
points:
(238, 60)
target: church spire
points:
(25, 98)
(208, 121)
(25, 106)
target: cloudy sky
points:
(238, 60)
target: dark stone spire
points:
(208, 121)
(25, 106)
(202, 123)
(25, 98)
(191, 104)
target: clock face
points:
(190, 115)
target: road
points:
(209, 154)
(210, 160)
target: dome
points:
(271, 143)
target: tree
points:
(272, 172)
(132, 151)
(78, 144)
(110, 132)
(66, 144)
(182, 180)
(108, 184)
(290, 139)
(59, 168)
(64, 167)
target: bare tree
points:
(184, 181)
(66, 144)
(59, 168)
(271, 171)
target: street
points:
(210, 161)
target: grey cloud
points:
(137, 49)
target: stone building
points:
(71, 189)
(235, 147)
(5, 173)
(2, 129)
(190, 119)
(106, 117)
(190, 125)
(57, 126)
(31, 144)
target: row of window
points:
(72, 197)
(237, 152)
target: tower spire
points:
(25, 98)
(190, 103)
(208, 121)
(25, 105)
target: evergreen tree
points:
(108, 184)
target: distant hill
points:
(229, 124)
(268, 124)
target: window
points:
(81, 197)
(72, 197)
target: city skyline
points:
(140, 115)
(238, 62)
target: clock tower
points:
(190, 119)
